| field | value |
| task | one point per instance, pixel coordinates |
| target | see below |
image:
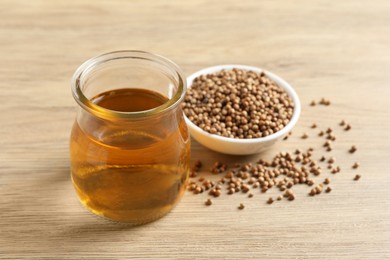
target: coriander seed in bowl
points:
(237, 109)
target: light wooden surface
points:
(334, 49)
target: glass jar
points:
(129, 147)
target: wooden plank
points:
(333, 49)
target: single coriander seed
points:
(355, 165)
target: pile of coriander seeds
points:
(238, 104)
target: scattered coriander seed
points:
(324, 101)
(270, 200)
(284, 171)
(357, 177)
(198, 190)
(314, 125)
(304, 136)
(208, 202)
(327, 143)
(355, 165)
(241, 206)
(312, 103)
(198, 164)
(347, 127)
(310, 182)
(342, 123)
(326, 181)
(191, 187)
(287, 193)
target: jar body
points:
(130, 167)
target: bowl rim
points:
(278, 80)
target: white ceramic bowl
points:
(243, 146)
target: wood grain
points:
(334, 49)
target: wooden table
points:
(339, 50)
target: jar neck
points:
(128, 68)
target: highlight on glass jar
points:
(129, 146)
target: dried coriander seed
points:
(270, 200)
(241, 206)
(198, 190)
(324, 101)
(327, 143)
(284, 171)
(357, 177)
(208, 202)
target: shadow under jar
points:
(129, 147)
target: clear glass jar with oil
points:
(129, 147)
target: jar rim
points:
(95, 109)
